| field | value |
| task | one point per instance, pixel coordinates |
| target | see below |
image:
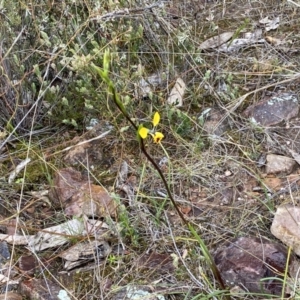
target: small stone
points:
(228, 173)
(278, 163)
(285, 226)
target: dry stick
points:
(191, 228)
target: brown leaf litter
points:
(161, 263)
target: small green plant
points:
(112, 260)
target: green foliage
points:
(129, 232)
(184, 125)
(50, 53)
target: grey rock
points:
(278, 163)
(272, 111)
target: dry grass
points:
(36, 122)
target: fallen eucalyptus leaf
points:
(216, 41)
(176, 96)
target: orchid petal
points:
(156, 119)
(143, 132)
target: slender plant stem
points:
(157, 168)
(116, 98)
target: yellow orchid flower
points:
(156, 135)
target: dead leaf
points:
(29, 264)
(85, 251)
(176, 95)
(21, 240)
(273, 41)
(57, 235)
(216, 41)
(8, 281)
(160, 262)
(79, 196)
(66, 183)
(237, 44)
(249, 38)
(18, 169)
(123, 173)
(60, 234)
(273, 183)
(270, 24)
(3, 134)
(185, 209)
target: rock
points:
(4, 252)
(78, 196)
(272, 111)
(132, 292)
(278, 163)
(91, 200)
(39, 289)
(65, 184)
(246, 261)
(285, 226)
